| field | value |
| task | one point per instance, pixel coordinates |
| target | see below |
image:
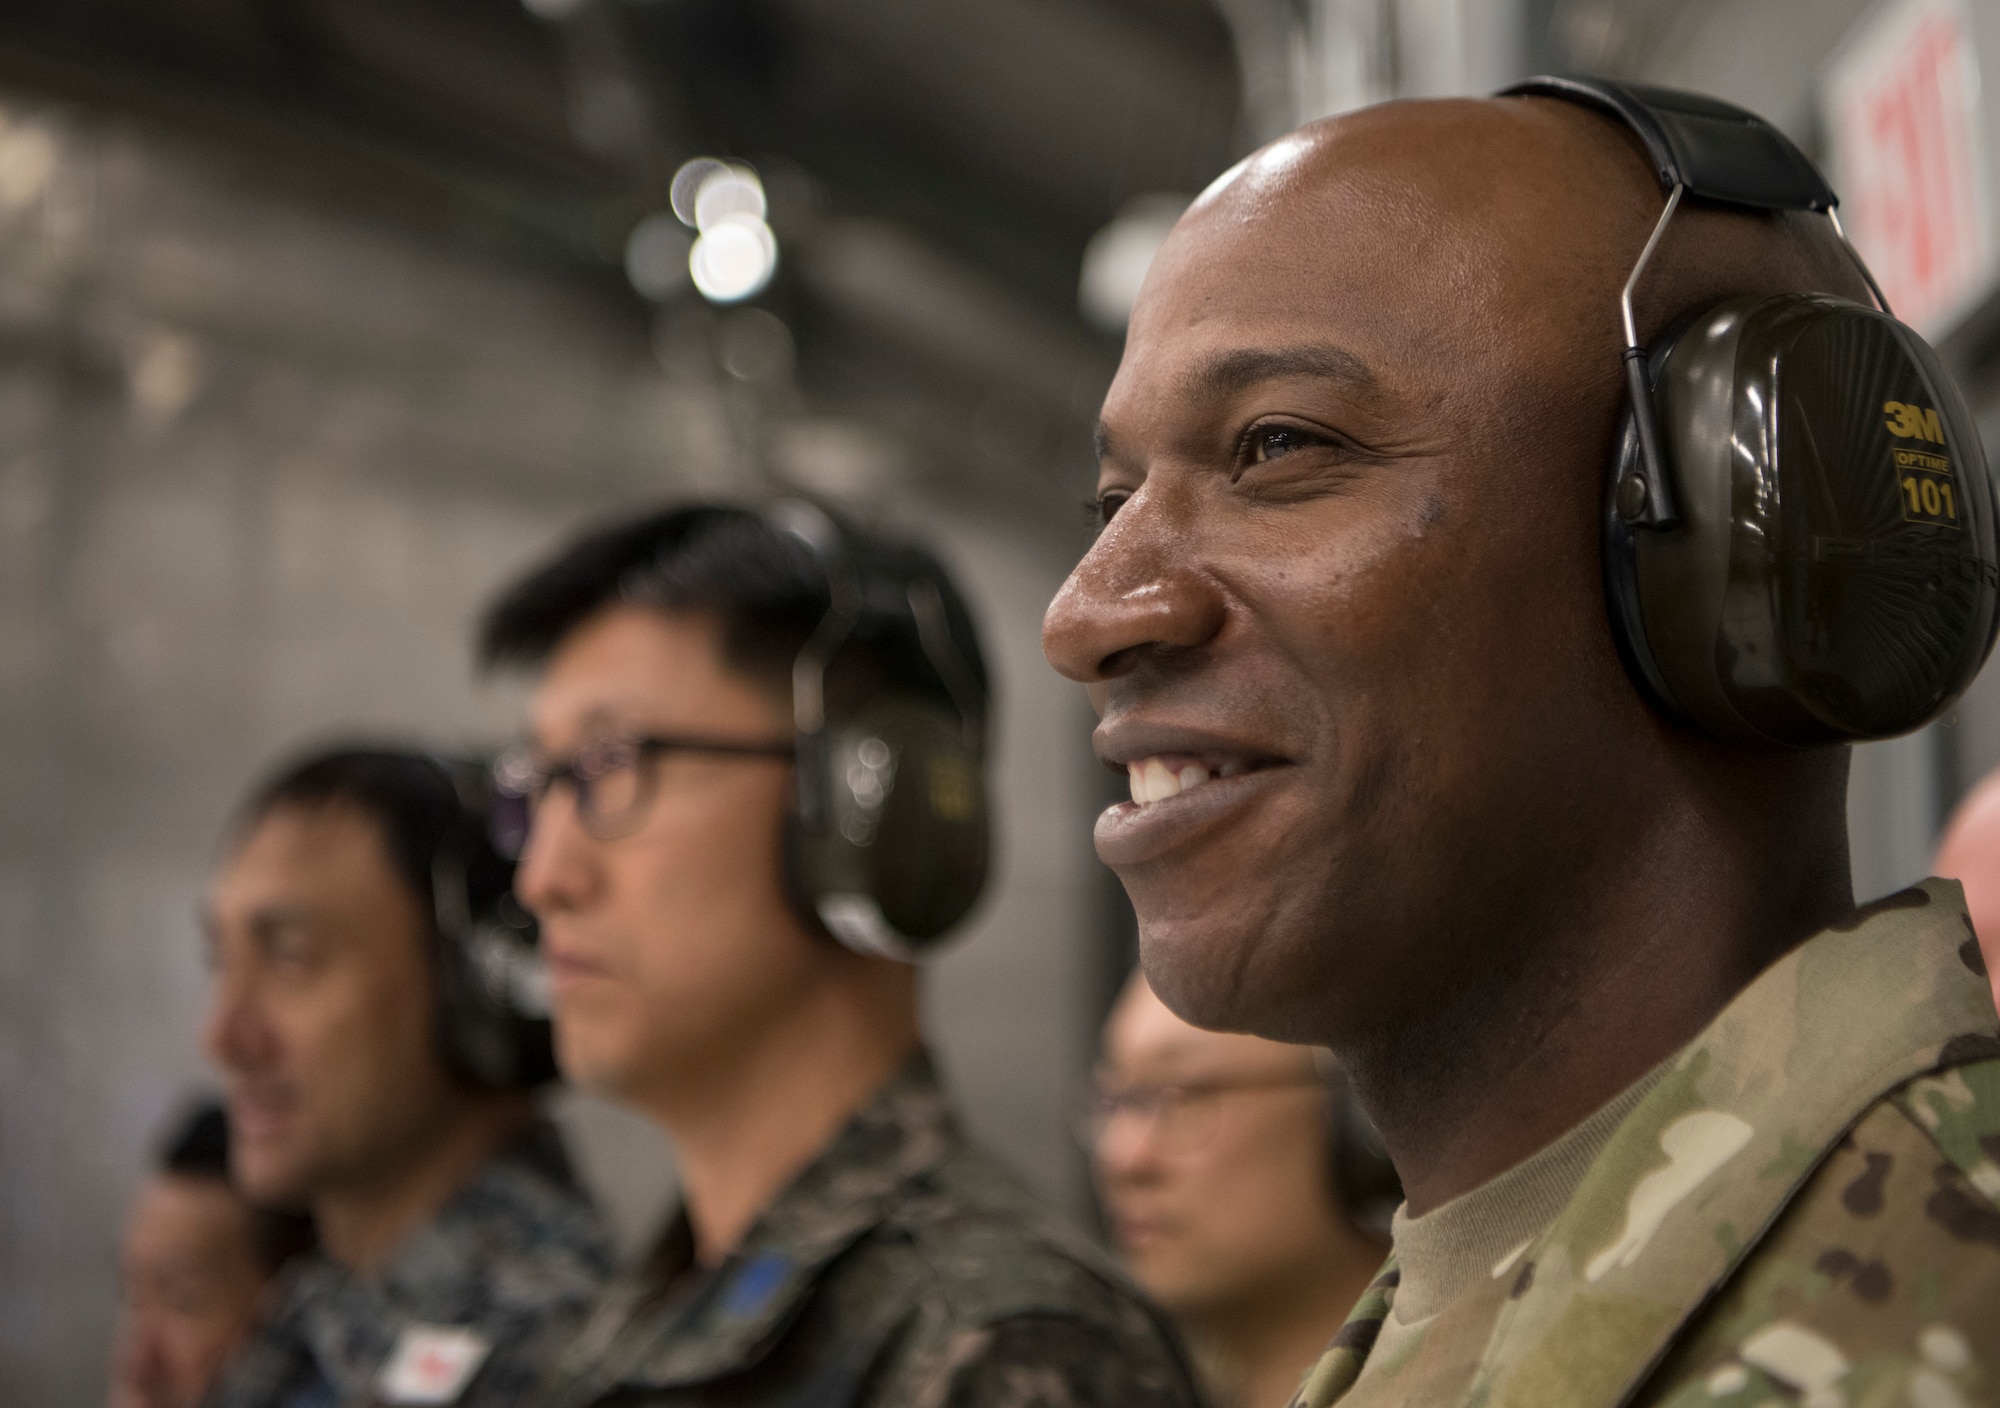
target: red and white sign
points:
(1908, 156)
(431, 1364)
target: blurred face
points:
(1343, 625)
(191, 1284)
(671, 945)
(1211, 1158)
(321, 1020)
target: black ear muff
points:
(1834, 574)
(1799, 536)
(902, 855)
(493, 1001)
(887, 846)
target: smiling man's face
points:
(321, 1013)
(1347, 585)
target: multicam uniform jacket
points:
(469, 1311)
(1804, 1209)
(903, 1268)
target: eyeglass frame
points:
(519, 779)
(1099, 1106)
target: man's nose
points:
(235, 1035)
(558, 870)
(1127, 1151)
(1139, 590)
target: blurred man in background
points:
(1970, 854)
(378, 1069)
(1238, 1199)
(839, 1240)
(193, 1270)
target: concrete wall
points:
(262, 457)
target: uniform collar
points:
(1739, 1121)
(733, 1315)
(504, 1209)
(524, 1203)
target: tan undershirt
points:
(1476, 1237)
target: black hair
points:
(762, 585)
(197, 1146)
(414, 805)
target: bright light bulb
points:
(734, 190)
(733, 259)
(687, 184)
(1117, 258)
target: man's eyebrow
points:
(280, 913)
(1246, 366)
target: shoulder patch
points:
(753, 1284)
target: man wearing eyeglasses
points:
(839, 1242)
(1239, 1196)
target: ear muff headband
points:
(889, 834)
(1799, 531)
(1706, 150)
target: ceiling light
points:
(1117, 258)
(733, 259)
(734, 190)
(687, 185)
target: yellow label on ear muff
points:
(1929, 496)
(1928, 493)
(1843, 502)
(1908, 422)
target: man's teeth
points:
(1155, 780)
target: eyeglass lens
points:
(1175, 1117)
(610, 783)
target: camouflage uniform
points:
(903, 1268)
(516, 1257)
(1805, 1208)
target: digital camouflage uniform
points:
(1804, 1209)
(517, 1257)
(903, 1268)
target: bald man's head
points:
(1495, 234)
(1350, 584)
